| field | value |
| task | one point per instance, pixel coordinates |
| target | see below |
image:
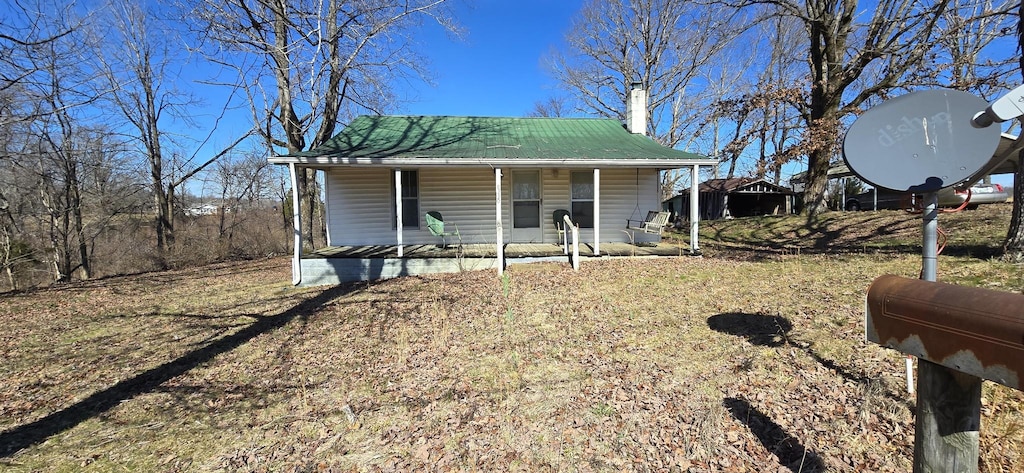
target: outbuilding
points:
(735, 197)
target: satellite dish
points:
(921, 142)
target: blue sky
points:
(497, 70)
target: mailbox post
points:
(960, 335)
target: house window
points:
(526, 199)
(410, 199)
(581, 194)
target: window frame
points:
(407, 215)
(537, 203)
(573, 200)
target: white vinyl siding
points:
(464, 196)
(556, 196)
(622, 198)
(360, 202)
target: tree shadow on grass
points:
(27, 435)
(763, 330)
(885, 232)
(791, 453)
(773, 331)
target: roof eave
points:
(330, 161)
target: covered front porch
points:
(336, 264)
(499, 182)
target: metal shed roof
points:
(493, 141)
(741, 184)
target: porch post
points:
(497, 218)
(296, 228)
(694, 209)
(398, 210)
(597, 212)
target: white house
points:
(204, 209)
(499, 180)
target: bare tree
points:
(81, 183)
(664, 45)
(37, 73)
(852, 56)
(22, 28)
(15, 250)
(777, 89)
(135, 65)
(551, 108)
(140, 57)
(244, 183)
(970, 53)
(309, 64)
(56, 82)
(745, 116)
(855, 56)
(971, 56)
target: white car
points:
(948, 197)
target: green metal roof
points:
(447, 140)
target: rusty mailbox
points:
(976, 331)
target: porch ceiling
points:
(491, 141)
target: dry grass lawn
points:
(749, 359)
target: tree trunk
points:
(158, 219)
(64, 235)
(286, 212)
(59, 274)
(168, 215)
(308, 193)
(732, 166)
(1013, 246)
(10, 278)
(75, 201)
(8, 255)
(160, 222)
(817, 181)
(221, 222)
(55, 217)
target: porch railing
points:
(575, 232)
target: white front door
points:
(526, 205)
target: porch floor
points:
(512, 250)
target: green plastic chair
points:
(557, 216)
(435, 223)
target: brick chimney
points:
(636, 109)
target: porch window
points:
(582, 198)
(410, 199)
(526, 199)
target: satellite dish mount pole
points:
(930, 232)
(948, 401)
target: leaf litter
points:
(675, 364)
